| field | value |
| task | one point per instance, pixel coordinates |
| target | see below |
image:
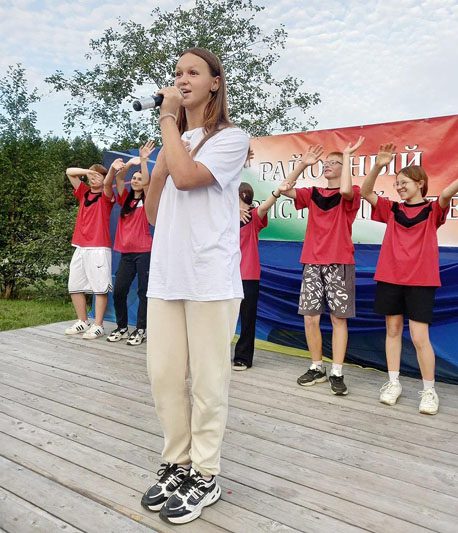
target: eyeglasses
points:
(331, 163)
(401, 184)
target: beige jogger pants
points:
(188, 337)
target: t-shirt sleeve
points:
(121, 198)
(225, 154)
(259, 222)
(303, 196)
(440, 214)
(80, 190)
(355, 202)
(381, 212)
(107, 199)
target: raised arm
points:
(447, 194)
(346, 185)
(157, 182)
(114, 169)
(122, 171)
(145, 151)
(263, 209)
(75, 174)
(312, 155)
(384, 157)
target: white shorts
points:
(90, 271)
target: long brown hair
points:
(216, 115)
(416, 173)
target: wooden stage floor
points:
(80, 442)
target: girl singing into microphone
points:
(195, 285)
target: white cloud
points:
(371, 61)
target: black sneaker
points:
(312, 376)
(187, 502)
(338, 386)
(171, 476)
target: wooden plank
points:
(72, 508)
(111, 494)
(280, 468)
(405, 411)
(395, 433)
(238, 494)
(238, 447)
(410, 431)
(123, 471)
(289, 456)
(372, 458)
(342, 509)
(365, 382)
(17, 515)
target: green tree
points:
(36, 211)
(137, 60)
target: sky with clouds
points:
(371, 61)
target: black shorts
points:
(416, 303)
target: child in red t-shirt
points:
(407, 272)
(252, 221)
(90, 267)
(328, 258)
(133, 240)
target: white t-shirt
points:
(196, 248)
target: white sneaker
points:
(118, 334)
(390, 392)
(78, 327)
(429, 404)
(136, 337)
(94, 332)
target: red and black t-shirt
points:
(410, 253)
(92, 228)
(330, 218)
(132, 233)
(250, 266)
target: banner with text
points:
(431, 143)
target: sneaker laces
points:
(388, 386)
(427, 397)
(165, 471)
(192, 486)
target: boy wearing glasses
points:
(328, 259)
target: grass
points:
(15, 314)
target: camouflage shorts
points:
(332, 284)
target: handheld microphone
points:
(148, 103)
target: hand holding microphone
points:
(172, 95)
(148, 103)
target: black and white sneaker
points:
(338, 386)
(170, 478)
(187, 502)
(312, 376)
(136, 337)
(118, 334)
